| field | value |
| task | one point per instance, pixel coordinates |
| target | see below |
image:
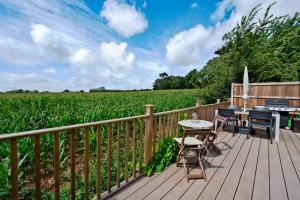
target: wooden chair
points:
(219, 122)
(189, 143)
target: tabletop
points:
(196, 124)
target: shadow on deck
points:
(251, 169)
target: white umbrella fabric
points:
(245, 86)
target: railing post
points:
(148, 133)
(198, 105)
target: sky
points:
(117, 44)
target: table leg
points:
(277, 127)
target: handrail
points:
(174, 111)
(65, 128)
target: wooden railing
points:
(142, 138)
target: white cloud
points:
(195, 46)
(109, 56)
(123, 18)
(194, 5)
(222, 7)
(51, 42)
(189, 47)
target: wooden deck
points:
(246, 169)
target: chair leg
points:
(201, 164)
(249, 131)
(185, 168)
(179, 156)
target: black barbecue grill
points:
(283, 108)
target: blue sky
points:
(118, 44)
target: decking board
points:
(251, 169)
(215, 184)
(261, 184)
(182, 186)
(195, 190)
(230, 184)
(290, 176)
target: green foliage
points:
(166, 156)
(269, 47)
(23, 112)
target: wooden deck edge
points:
(115, 189)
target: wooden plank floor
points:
(247, 169)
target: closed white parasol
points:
(245, 87)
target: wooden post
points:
(198, 105)
(148, 133)
(232, 85)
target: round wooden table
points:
(196, 124)
(202, 126)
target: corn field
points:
(24, 112)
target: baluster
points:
(37, 167)
(86, 164)
(14, 168)
(154, 135)
(98, 162)
(159, 132)
(56, 165)
(118, 153)
(142, 133)
(134, 148)
(127, 150)
(109, 159)
(72, 151)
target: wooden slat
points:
(290, 176)
(56, 165)
(134, 148)
(133, 187)
(294, 139)
(167, 125)
(142, 134)
(261, 190)
(183, 185)
(86, 164)
(98, 182)
(196, 189)
(14, 168)
(72, 156)
(210, 192)
(163, 126)
(230, 184)
(154, 135)
(127, 150)
(118, 153)
(109, 138)
(245, 186)
(161, 190)
(159, 131)
(37, 167)
(171, 125)
(277, 186)
(154, 183)
(295, 157)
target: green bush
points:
(162, 159)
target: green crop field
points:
(23, 112)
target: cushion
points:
(191, 141)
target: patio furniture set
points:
(199, 135)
